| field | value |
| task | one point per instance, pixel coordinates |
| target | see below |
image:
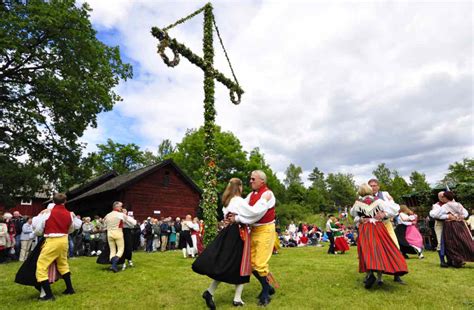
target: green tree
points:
(295, 191)
(461, 175)
(399, 187)
(317, 197)
(342, 189)
(461, 171)
(231, 159)
(55, 77)
(256, 161)
(418, 182)
(116, 156)
(293, 175)
(317, 178)
(165, 150)
(384, 176)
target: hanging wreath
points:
(161, 50)
(235, 96)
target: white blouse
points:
(245, 213)
(442, 212)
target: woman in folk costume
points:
(456, 240)
(340, 243)
(376, 250)
(227, 257)
(409, 238)
(197, 237)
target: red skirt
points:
(340, 244)
(378, 252)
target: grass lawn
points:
(309, 279)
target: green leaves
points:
(55, 77)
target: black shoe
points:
(47, 298)
(380, 283)
(370, 281)
(209, 301)
(398, 280)
(406, 256)
(271, 292)
(264, 301)
(69, 292)
(443, 265)
(237, 303)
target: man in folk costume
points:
(439, 228)
(262, 237)
(114, 222)
(56, 223)
(391, 210)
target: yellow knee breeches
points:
(391, 232)
(54, 249)
(262, 242)
(116, 244)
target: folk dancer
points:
(376, 250)
(391, 210)
(456, 240)
(227, 257)
(55, 223)
(114, 222)
(438, 227)
(262, 236)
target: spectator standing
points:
(5, 241)
(165, 232)
(18, 221)
(26, 239)
(148, 234)
(156, 235)
(172, 238)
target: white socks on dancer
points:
(238, 293)
(42, 293)
(184, 253)
(213, 287)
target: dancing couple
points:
(245, 245)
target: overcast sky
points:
(342, 86)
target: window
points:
(26, 202)
(166, 179)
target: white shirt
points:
(245, 213)
(443, 212)
(390, 207)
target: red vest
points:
(59, 221)
(254, 197)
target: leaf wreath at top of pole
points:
(180, 49)
(210, 197)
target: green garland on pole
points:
(209, 204)
(210, 195)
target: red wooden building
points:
(159, 190)
(29, 206)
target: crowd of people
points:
(305, 234)
(17, 238)
(385, 234)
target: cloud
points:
(340, 86)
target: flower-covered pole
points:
(209, 203)
(209, 197)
